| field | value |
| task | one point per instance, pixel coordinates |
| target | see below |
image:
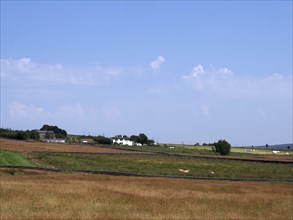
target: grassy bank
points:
(85, 196)
(14, 158)
(166, 165)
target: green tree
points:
(34, 135)
(134, 138)
(151, 142)
(103, 140)
(222, 147)
(22, 135)
(59, 133)
(8, 133)
(49, 135)
(143, 139)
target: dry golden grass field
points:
(46, 195)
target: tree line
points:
(19, 135)
(61, 133)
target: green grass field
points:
(14, 158)
(166, 165)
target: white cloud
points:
(223, 81)
(27, 71)
(275, 77)
(225, 72)
(19, 111)
(196, 76)
(110, 71)
(156, 64)
(197, 70)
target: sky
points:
(179, 71)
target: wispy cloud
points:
(18, 111)
(156, 64)
(23, 112)
(25, 70)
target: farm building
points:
(123, 140)
(55, 140)
(46, 134)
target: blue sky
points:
(190, 71)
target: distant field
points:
(206, 150)
(258, 154)
(85, 196)
(260, 151)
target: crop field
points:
(33, 194)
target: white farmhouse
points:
(123, 140)
(55, 140)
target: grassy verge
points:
(14, 158)
(167, 165)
